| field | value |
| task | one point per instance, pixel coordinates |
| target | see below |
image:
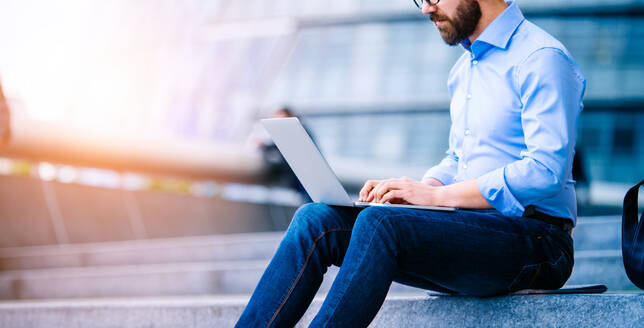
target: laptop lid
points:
(306, 161)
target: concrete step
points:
(601, 233)
(604, 310)
(37, 212)
(601, 267)
(247, 246)
(232, 277)
(604, 232)
(236, 277)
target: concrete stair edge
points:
(603, 310)
(591, 235)
(218, 277)
(152, 243)
(146, 268)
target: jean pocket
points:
(544, 275)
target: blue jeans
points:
(471, 252)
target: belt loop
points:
(529, 211)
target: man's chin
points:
(449, 39)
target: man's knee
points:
(310, 216)
(376, 218)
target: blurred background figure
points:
(5, 120)
(278, 171)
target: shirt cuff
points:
(441, 175)
(495, 190)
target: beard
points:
(462, 25)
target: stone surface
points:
(247, 246)
(91, 214)
(603, 232)
(600, 233)
(85, 214)
(601, 267)
(236, 277)
(223, 264)
(25, 219)
(605, 310)
(225, 277)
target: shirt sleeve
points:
(551, 88)
(445, 170)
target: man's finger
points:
(366, 189)
(393, 195)
(384, 187)
(372, 193)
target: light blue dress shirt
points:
(516, 94)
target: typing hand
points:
(366, 191)
(398, 191)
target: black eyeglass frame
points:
(419, 3)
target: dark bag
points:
(633, 238)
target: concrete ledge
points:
(226, 277)
(601, 233)
(238, 277)
(601, 267)
(246, 246)
(606, 310)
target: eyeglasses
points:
(419, 3)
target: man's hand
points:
(430, 192)
(399, 191)
(366, 191)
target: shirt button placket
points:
(469, 92)
(468, 96)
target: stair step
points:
(232, 277)
(247, 246)
(237, 277)
(601, 267)
(599, 233)
(603, 310)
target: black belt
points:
(563, 223)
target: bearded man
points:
(516, 94)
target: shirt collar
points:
(499, 32)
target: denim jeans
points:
(471, 252)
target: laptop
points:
(312, 169)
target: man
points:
(515, 97)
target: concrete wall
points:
(34, 212)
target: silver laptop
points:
(310, 167)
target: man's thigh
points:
(478, 252)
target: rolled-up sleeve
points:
(445, 170)
(551, 88)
